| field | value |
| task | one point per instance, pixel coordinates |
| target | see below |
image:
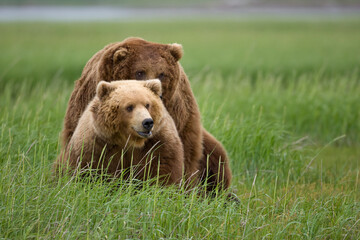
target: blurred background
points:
(195, 3)
(277, 82)
(159, 9)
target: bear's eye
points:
(140, 75)
(129, 108)
(161, 76)
(147, 106)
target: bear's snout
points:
(148, 124)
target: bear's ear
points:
(120, 54)
(103, 89)
(154, 85)
(109, 54)
(176, 51)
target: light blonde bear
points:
(126, 126)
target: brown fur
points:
(106, 135)
(136, 58)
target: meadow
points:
(282, 96)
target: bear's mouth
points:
(145, 134)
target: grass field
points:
(282, 96)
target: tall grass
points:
(278, 194)
(275, 115)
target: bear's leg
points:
(214, 165)
(167, 154)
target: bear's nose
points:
(148, 123)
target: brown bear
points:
(126, 126)
(135, 58)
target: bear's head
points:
(135, 58)
(127, 112)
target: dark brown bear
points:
(135, 58)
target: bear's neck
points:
(112, 141)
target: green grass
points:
(283, 97)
